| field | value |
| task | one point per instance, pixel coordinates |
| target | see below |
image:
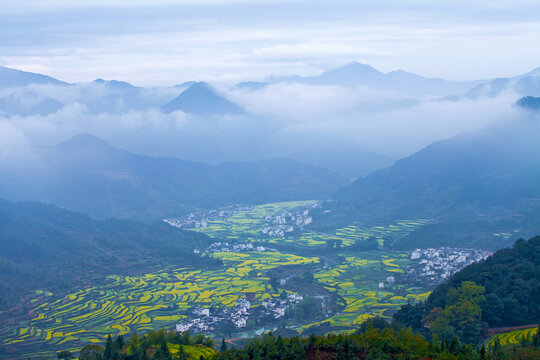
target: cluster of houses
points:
(286, 222)
(201, 218)
(390, 280)
(432, 266)
(209, 319)
(276, 307)
(277, 225)
(227, 247)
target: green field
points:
(123, 304)
(151, 301)
(357, 280)
(513, 337)
(247, 225)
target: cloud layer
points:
(167, 42)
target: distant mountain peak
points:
(85, 140)
(17, 78)
(530, 103)
(350, 74)
(533, 73)
(201, 99)
(356, 68)
(114, 84)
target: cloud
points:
(377, 121)
(298, 121)
(165, 42)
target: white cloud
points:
(164, 42)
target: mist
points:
(350, 130)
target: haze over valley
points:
(231, 180)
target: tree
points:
(133, 343)
(119, 342)
(223, 345)
(228, 327)
(64, 355)
(91, 352)
(163, 352)
(181, 353)
(461, 315)
(107, 354)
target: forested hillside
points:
(42, 246)
(503, 290)
(368, 343)
(87, 174)
(473, 186)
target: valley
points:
(270, 271)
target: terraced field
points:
(357, 282)
(513, 337)
(140, 303)
(247, 225)
(161, 299)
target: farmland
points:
(259, 223)
(514, 337)
(146, 302)
(366, 284)
(363, 282)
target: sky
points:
(164, 42)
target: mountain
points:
(511, 278)
(473, 186)
(401, 82)
(114, 97)
(527, 84)
(249, 85)
(201, 99)
(17, 78)
(44, 247)
(530, 103)
(86, 174)
(27, 102)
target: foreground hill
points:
(87, 174)
(365, 344)
(42, 246)
(511, 292)
(473, 185)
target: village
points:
(431, 266)
(286, 222)
(240, 315)
(200, 219)
(272, 225)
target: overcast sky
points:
(164, 42)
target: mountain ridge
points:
(453, 181)
(87, 174)
(17, 78)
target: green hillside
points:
(473, 186)
(504, 290)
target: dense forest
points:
(503, 290)
(368, 342)
(42, 246)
